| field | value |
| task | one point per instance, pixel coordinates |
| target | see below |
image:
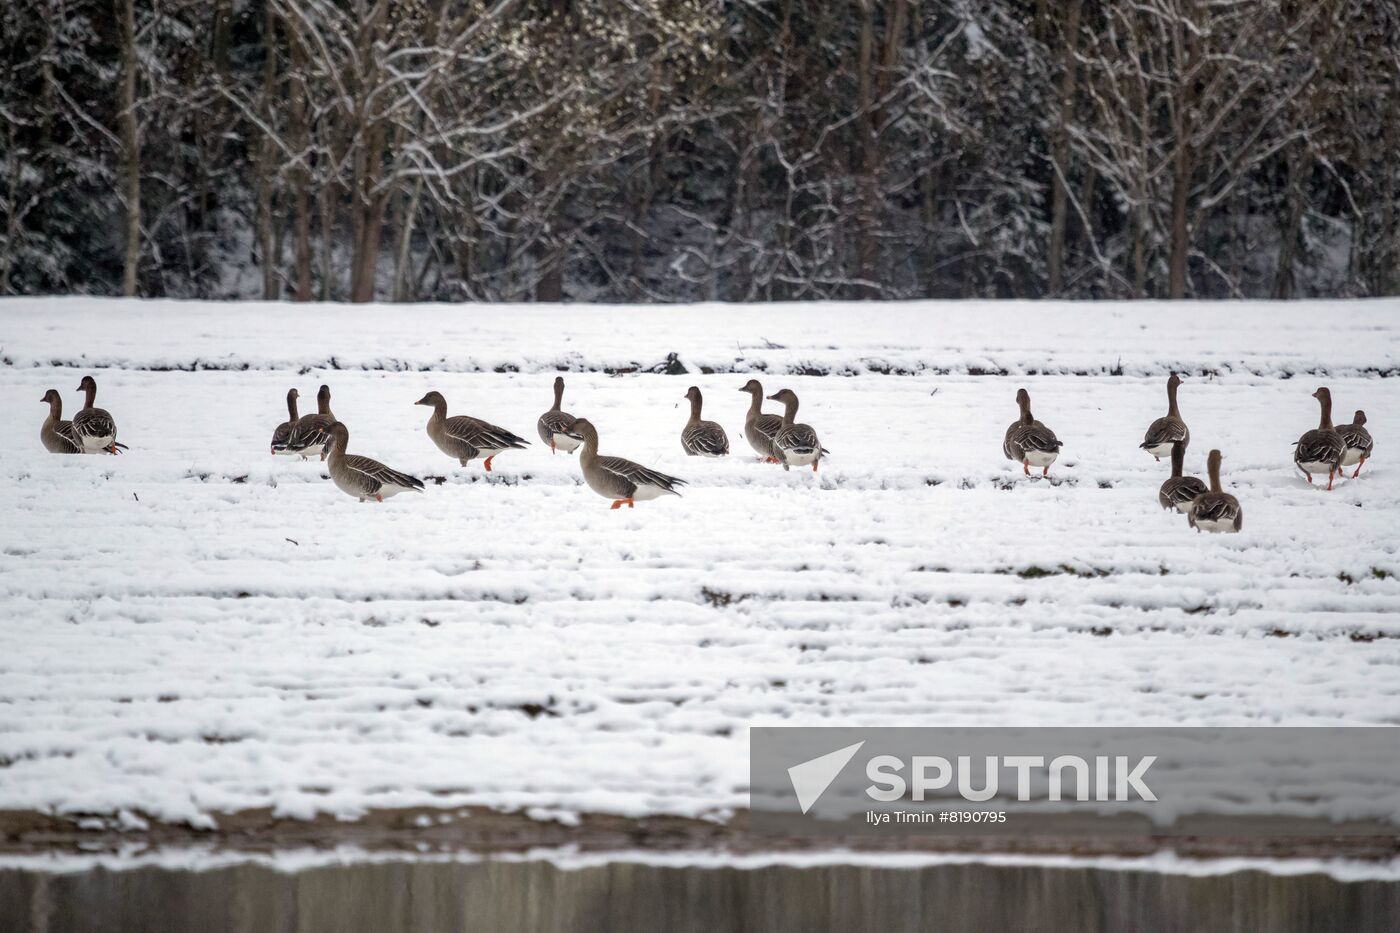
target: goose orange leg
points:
(378, 498)
(814, 466)
(1046, 471)
(1331, 475)
(618, 503)
(1026, 467)
(1358, 468)
(488, 462)
(1309, 476)
(551, 446)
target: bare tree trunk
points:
(265, 153)
(327, 211)
(867, 248)
(131, 144)
(1299, 168)
(301, 198)
(402, 278)
(1059, 153)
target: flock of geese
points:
(779, 439)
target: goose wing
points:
(1165, 430)
(64, 432)
(1035, 436)
(1355, 437)
(93, 422)
(377, 474)
(1217, 507)
(768, 425)
(555, 422)
(309, 430)
(282, 435)
(638, 475)
(705, 437)
(798, 437)
(480, 435)
(1318, 446)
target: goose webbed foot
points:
(619, 503)
(1358, 468)
(488, 463)
(1026, 467)
(1331, 475)
(1045, 472)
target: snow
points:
(197, 627)
(291, 861)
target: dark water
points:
(504, 897)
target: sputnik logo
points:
(811, 778)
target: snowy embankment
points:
(197, 627)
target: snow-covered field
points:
(198, 627)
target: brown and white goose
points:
(760, 429)
(55, 433)
(1321, 448)
(310, 433)
(1216, 510)
(795, 444)
(622, 481)
(362, 477)
(1179, 491)
(702, 438)
(283, 432)
(1029, 442)
(554, 425)
(465, 438)
(94, 428)
(1358, 441)
(1163, 433)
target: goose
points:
(760, 429)
(1030, 442)
(1216, 510)
(620, 480)
(1322, 448)
(554, 425)
(94, 428)
(702, 438)
(1179, 491)
(311, 432)
(362, 477)
(795, 444)
(57, 434)
(1163, 433)
(284, 430)
(1358, 442)
(466, 438)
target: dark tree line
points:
(668, 150)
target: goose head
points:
(52, 397)
(432, 398)
(784, 396)
(753, 387)
(88, 384)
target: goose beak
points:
(772, 398)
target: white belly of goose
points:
(565, 443)
(644, 493)
(1314, 466)
(1161, 450)
(1041, 458)
(1185, 507)
(96, 445)
(801, 458)
(1217, 526)
(1352, 456)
